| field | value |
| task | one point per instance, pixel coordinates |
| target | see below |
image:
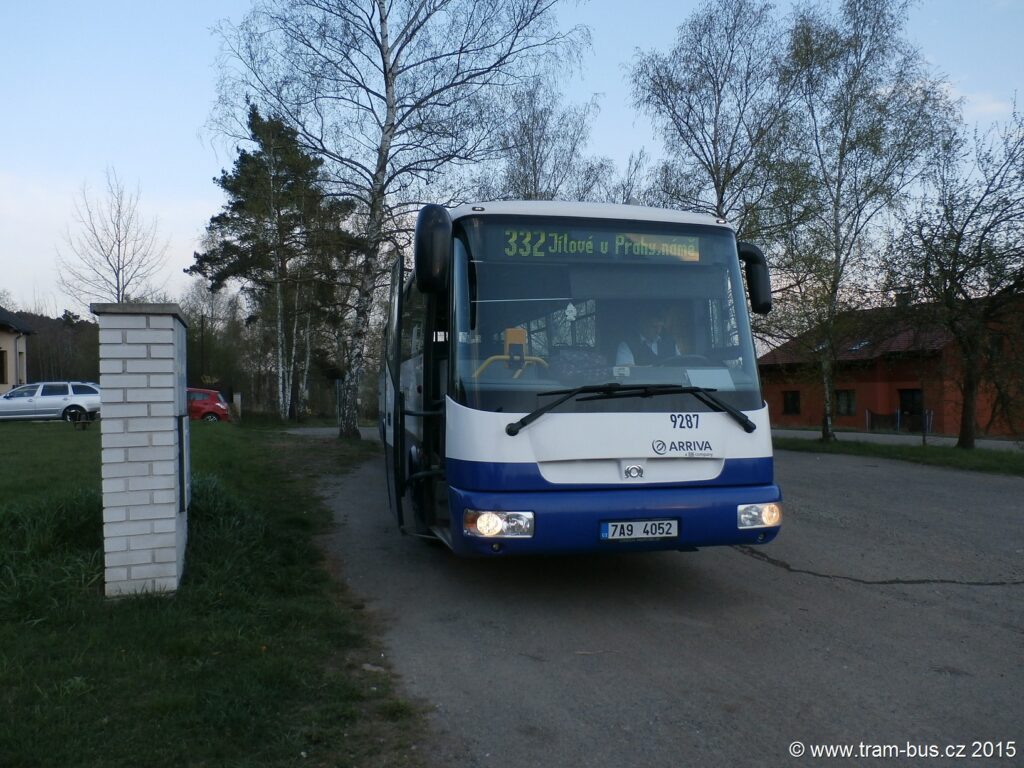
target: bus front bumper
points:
(575, 520)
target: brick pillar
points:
(144, 429)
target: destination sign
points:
(540, 243)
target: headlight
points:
(492, 524)
(758, 515)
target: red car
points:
(208, 405)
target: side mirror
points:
(433, 248)
(759, 284)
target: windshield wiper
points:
(614, 390)
(704, 394)
(598, 390)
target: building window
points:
(791, 401)
(3, 366)
(846, 402)
(911, 402)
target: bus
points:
(570, 377)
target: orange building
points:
(891, 375)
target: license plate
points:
(633, 530)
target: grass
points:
(264, 420)
(40, 458)
(259, 659)
(271, 420)
(976, 460)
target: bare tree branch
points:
(112, 254)
(722, 106)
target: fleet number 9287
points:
(685, 420)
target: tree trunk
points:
(924, 417)
(970, 400)
(293, 409)
(307, 356)
(282, 388)
(826, 412)
(348, 407)
(348, 395)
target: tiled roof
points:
(868, 334)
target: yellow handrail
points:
(494, 358)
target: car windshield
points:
(548, 304)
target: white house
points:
(13, 331)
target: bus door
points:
(432, 489)
(393, 423)
(410, 421)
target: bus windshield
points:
(544, 304)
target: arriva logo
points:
(685, 447)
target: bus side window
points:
(411, 354)
(391, 341)
(413, 324)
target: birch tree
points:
(389, 95)
(869, 114)
(111, 253)
(721, 106)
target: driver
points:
(649, 343)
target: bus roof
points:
(583, 210)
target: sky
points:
(129, 85)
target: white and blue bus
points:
(563, 377)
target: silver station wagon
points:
(68, 400)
